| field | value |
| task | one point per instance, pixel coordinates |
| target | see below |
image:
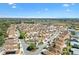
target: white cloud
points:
(68, 10)
(10, 3)
(66, 5)
(46, 9)
(51, 17)
(13, 6)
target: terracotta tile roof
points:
(59, 42)
(11, 43)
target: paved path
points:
(1, 51)
(24, 46)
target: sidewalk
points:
(21, 48)
(1, 51)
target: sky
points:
(39, 10)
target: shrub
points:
(73, 32)
(31, 47)
(22, 35)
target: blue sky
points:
(36, 10)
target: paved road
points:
(45, 44)
(24, 46)
(26, 52)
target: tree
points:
(3, 28)
(67, 50)
(32, 46)
(1, 32)
(22, 35)
(1, 40)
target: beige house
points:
(57, 47)
(11, 45)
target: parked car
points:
(75, 46)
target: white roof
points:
(75, 51)
(72, 43)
